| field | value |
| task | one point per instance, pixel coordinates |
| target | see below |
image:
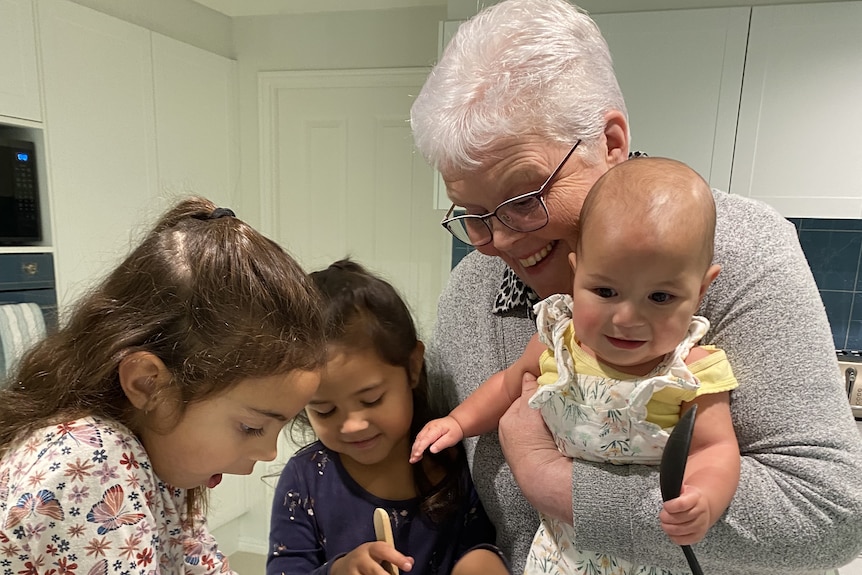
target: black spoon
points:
(672, 470)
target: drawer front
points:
(26, 271)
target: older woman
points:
(501, 116)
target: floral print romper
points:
(601, 418)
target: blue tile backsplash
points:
(834, 252)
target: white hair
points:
(520, 67)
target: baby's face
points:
(633, 298)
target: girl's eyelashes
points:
(372, 402)
(251, 430)
(321, 414)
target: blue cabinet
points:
(29, 277)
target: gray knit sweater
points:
(798, 508)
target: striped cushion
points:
(21, 325)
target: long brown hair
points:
(364, 313)
(211, 297)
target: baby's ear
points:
(142, 374)
(708, 278)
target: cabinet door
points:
(100, 125)
(799, 120)
(19, 75)
(196, 115)
(681, 73)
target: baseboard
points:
(249, 545)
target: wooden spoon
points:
(672, 470)
(383, 531)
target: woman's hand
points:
(367, 558)
(541, 471)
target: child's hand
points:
(366, 559)
(436, 436)
(686, 518)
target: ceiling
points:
(235, 8)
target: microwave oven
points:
(20, 216)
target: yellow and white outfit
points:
(599, 414)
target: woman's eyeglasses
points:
(524, 213)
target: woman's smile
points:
(538, 256)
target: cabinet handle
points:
(30, 268)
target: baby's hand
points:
(686, 518)
(437, 435)
(367, 558)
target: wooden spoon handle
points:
(383, 531)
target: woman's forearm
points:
(541, 471)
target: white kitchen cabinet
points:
(799, 120)
(680, 72)
(19, 73)
(98, 83)
(196, 132)
(135, 120)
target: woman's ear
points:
(142, 375)
(616, 138)
(573, 261)
(417, 360)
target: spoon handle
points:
(383, 532)
(692, 560)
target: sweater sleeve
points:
(294, 543)
(799, 502)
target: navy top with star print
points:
(320, 513)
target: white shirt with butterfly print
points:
(81, 498)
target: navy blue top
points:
(320, 513)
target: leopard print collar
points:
(514, 294)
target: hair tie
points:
(221, 212)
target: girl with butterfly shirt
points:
(183, 364)
(371, 402)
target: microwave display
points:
(20, 220)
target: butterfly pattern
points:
(110, 512)
(58, 516)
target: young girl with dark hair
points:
(183, 364)
(371, 403)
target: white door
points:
(341, 178)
